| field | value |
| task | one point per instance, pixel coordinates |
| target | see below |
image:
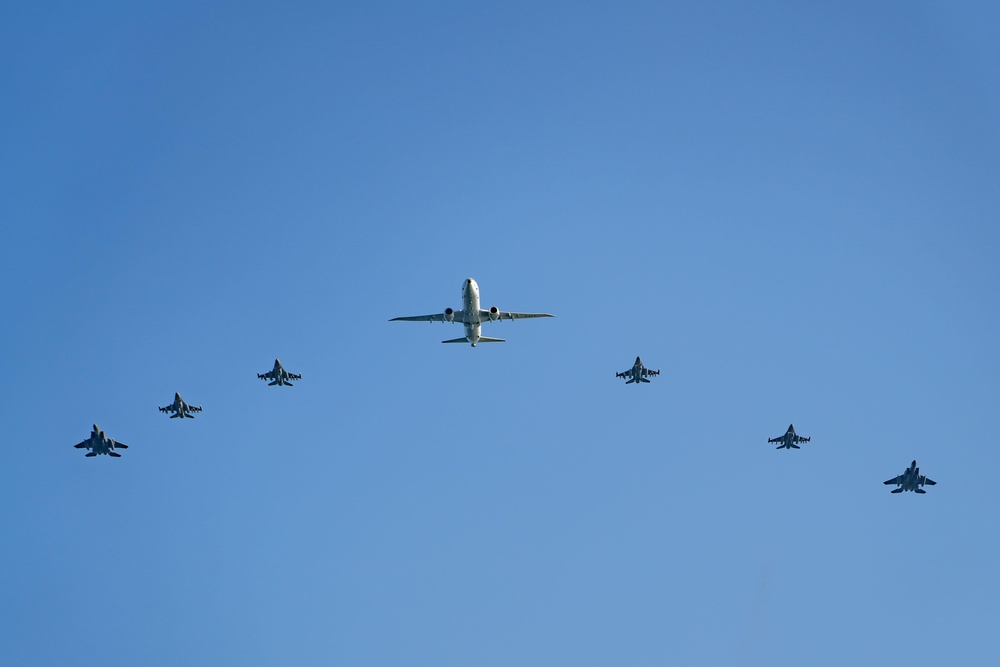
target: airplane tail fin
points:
(174, 416)
(643, 380)
(919, 491)
(630, 381)
(89, 454)
(899, 490)
(456, 340)
(795, 446)
(271, 384)
(484, 339)
(115, 454)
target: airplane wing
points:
(928, 480)
(801, 439)
(484, 315)
(191, 408)
(120, 445)
(164, 409)
(459, 316)
(649, 372)
(295, 376)
(266, 376)
(82, 444)
(895, 480)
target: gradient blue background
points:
(792, 211)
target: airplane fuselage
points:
(470, 307)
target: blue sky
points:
(790, 210)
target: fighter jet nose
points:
(96, 429)
(914, 464)
(468, 281)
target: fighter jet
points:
(637, 374)
(279, 376)
(789, 440)
(98, 443)
(910, 480)
(471, 316)
(180, 408)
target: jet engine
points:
(449, 314)
(494, 314)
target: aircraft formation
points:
(472, 316)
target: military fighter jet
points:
(98, 443)
(180, 408)
(637, 374)
(910, 480)
(471, 316)
(279, 376)
(789, 440)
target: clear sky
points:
(791, 211)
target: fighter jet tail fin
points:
(630, 381)
(795, 446)
(644, 380)
(919, 491)
(89, 454)
(899, 490)
(271, 384)
(174, 416)
(484, 339)
(115, 454)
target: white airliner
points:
(471, 316)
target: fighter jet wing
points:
(166, 409)
(295, 376)
(82, 444)
(928, 480)
(191, 408)
(801, 439)
(438, 317)
(266, 376)
(895, 480)
(484, 315)
(120, 445)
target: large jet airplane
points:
(471, 316)
(637, 373)
(910, 480)
(98, 443)
(790, 439)
(279, 376)
(180, 408)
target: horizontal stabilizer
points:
(899, 490)
(456, 340)
(919, 491)
(644, 380)
(630, 381)
(88, 454)
(115, 454)
(484, 339)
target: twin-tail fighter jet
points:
(471, 316)
(98, 443)
(279, 376)
(910, 480)
(637, 374)
(180, 408)
(790, 439)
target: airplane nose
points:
(468, 281)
